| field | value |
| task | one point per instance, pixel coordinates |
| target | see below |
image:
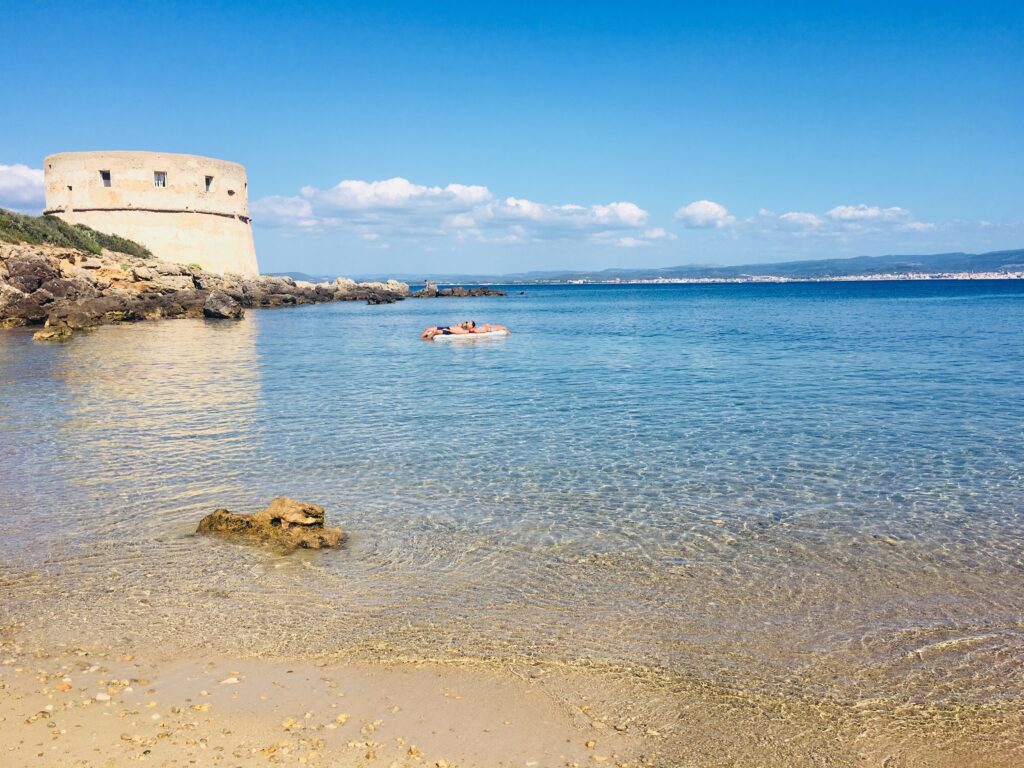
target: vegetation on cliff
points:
(49, 230)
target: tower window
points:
(159, 178)
(209, 183)
(105, 178)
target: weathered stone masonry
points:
(184, 208)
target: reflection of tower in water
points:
(157, 419)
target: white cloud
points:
(395, 194)
(873, 215)
(864, 213)
(798, 220)
(21, 188)
(705, 214)
(841, 221)
(398, 208)
(637, 240)
(554, 219)
(282, 211)
(657, 233)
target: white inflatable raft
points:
(453, 336)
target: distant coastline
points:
(782, 279)
(874, 278)
(993, 265)
(870, 277)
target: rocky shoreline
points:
(67, 290)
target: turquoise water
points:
(807, 489)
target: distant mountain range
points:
(994, 261)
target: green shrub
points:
(49, 230)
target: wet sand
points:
(83, 708)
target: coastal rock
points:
(207, 281)
(28, 270)
(9, 298)
(175, 282)
(290, 523)
(64, 320)
(70, 288)
(220, 305)
(381, 293)
(191, 301)
(431, 291)
(478, 291)
(233, 285)
(107, 308)
(66, 290)
(382, 297)
(391, 286)
(55, 332)
(169, 270)
(27, 308)
(279, 299)
(277, 283)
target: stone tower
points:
(184, 208)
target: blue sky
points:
(499, 137)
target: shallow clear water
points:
(809, 489)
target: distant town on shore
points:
(881, 276)
(993, 265)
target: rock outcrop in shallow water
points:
(290, 523)
(431, 291)
(219, 304)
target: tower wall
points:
(184, 208)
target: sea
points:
(807, 492)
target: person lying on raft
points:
(490, 328)
(466, 327)
(460, 328)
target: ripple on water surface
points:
(784, 489)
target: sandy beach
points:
(92, 708)
(85, 707)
